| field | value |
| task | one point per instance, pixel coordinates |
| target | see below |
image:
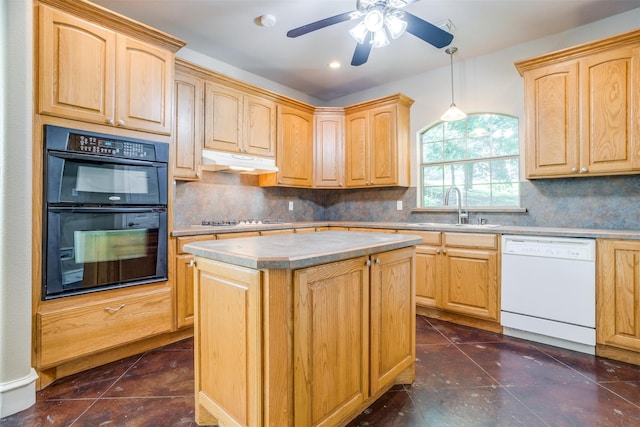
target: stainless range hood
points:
(213, 160)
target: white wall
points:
(17, 377)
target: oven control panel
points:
(92, 144)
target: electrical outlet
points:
(399, 205)
(291, 205)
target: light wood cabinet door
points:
(393, 308)
(89, 73)
(610, 82)
(383, 151)
(184, 290)
(470, 282)
(188, 122)
(331, 336)
(329, 150)
(223, 118)
(76, 62)
(618, 294)
(428, 289)
(294, 151)
(551, 120)
(260, 126)
(357, 149)
(228, 355)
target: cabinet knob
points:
(109, 121)
(368, 263)
(583, 170)
(437, 251)
(574, 170)
(378, 261)
(340, 184)
(121, 122)
(444, 252)
(192, 263)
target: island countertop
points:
(292, 251)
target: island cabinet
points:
(308, 346)
(617, 299)
(581, 109)
(104, 73)
(377, 143)
(238, 121)
(457, 277)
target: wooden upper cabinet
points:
(581, 112)
(329, 148)
(90, 73)
(377, 143)
(238, 122)
(294, 147)
(188, 123)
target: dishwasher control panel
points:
(550, 247)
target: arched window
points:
(479, 155)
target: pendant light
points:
(453, 113)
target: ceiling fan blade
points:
(427, 31)
(361, 54)
(296, 32)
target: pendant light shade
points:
(453, 113)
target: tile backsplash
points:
(596, 202)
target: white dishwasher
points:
(549, 290)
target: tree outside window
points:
(479, 155)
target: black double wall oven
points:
(105, 212)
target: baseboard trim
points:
(18, 395)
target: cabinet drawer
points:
(69, 333)
(433, 238)
(471, 240)
(181, 241)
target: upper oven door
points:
(83, 179)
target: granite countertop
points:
(292, 251)
(407, 226)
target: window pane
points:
(479, 155)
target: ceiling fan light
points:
(453, 114)
(374, 20)
(359, 32)
(397, 3)
(380, 38)
(395, 24)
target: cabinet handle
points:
(341, 185)
(192, 263)
(583, 170)
(114, 310)
(574, 170)
(120, 122)
(437, 251)
(377, 260)
(109, 121)
(444, 252)
(368, 263)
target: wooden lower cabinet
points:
(307, 347)
(457, 277)
(618, 299)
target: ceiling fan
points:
(381, 19)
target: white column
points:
(17, 377)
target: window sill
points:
(472, 209)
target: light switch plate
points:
(291, 205)
(399, 205)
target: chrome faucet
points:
(462, 216)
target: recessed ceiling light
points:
(267, 20)
(334, 64)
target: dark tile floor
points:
(464, 377)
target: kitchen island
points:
(301, 329)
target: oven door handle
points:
(103, 159)
(106, 209)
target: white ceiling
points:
(227, 30)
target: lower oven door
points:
(90, 249)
